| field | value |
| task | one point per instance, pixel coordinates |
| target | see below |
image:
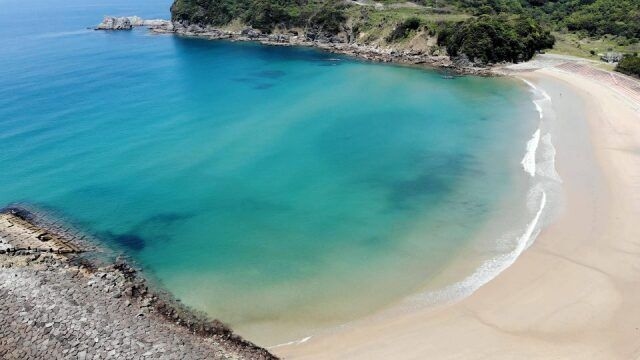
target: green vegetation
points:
(629, 65)
(592, 47)
(483, 30)
(591, 17)
(327, 16)
(404, 29)
(492, 38)
(394, 25)
(600, 17)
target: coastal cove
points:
(282, 190)
(572, 294)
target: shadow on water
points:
(194, 48)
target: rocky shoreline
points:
(333, 44)
(58, 300)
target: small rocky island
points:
(62, 299)
(128, 23)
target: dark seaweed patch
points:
(437, 178)
(269, 74)
(163, 219)
(405, 193)
(20, 213)
(244, 80)
(129, 241)
(263, 86)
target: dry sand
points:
(574, 294)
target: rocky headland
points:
(62, 298)
(333, 44)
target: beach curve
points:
(571, 294)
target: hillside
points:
(484, 31)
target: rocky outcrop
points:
(115, 23)
(339, 44)
(156, 23)
(334, 44)
(128, 23)
(60, 304)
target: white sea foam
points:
(295, 342)
(539, 162)
(529, 160)
(542, 102)
(539, 109)
(547, 160)
(538, 102)
(490, 268)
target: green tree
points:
(490, 39)
(629, 65)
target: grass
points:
(589, 48)
(371, 19)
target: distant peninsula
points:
(465, 35)
(471, 32)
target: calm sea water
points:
(279, 189)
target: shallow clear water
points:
(279, 189)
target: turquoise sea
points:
(282, 190)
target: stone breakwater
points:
(58, 303)
(333, 44)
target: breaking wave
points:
(529, 160)
(539, 163)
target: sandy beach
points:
(574, 293)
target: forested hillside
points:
(262, 14)
(593, 17)
(485, 31)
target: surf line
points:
(529, 160)
(544, 177)
(295, 342)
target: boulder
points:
(157, 23)
(162, 26)
(251, 33)
(135, 20)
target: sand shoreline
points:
(572, 294)
(569, 296)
